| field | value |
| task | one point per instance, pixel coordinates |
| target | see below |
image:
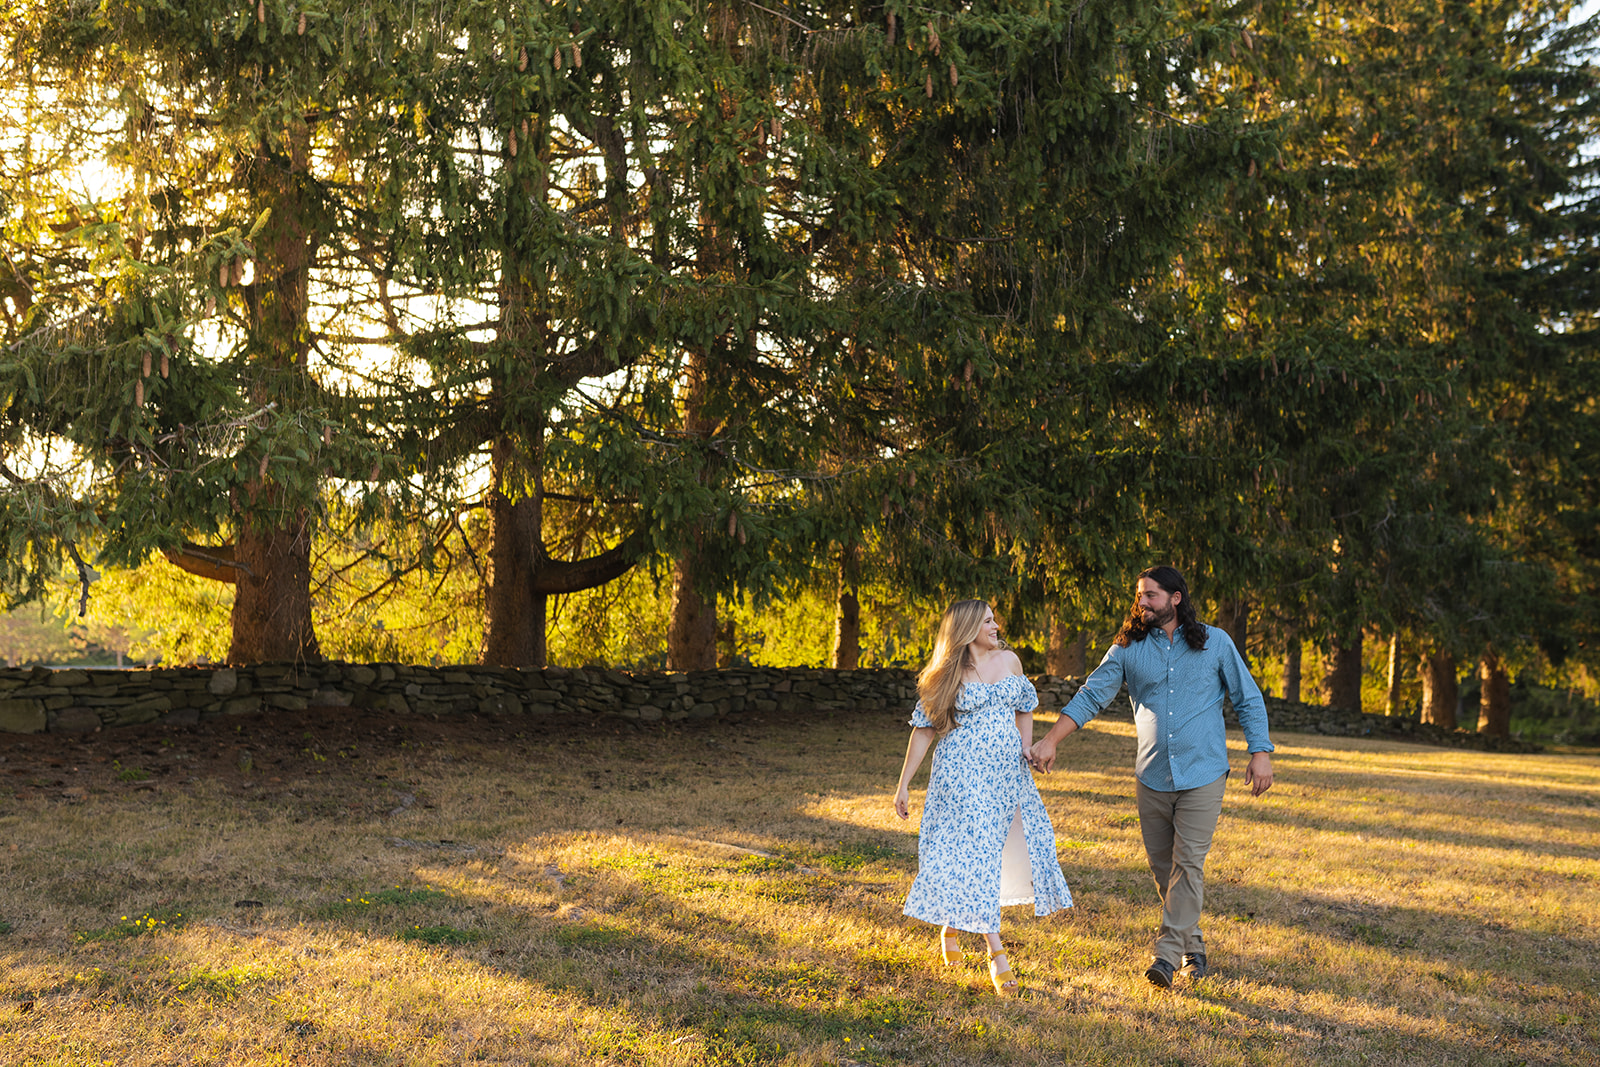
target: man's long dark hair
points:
(1134, 628)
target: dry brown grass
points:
(730, 894)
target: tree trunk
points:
(272, 602)
(522, 576)
(692, 632)
(1065, 653)
(847, 613)
(1392, 701)
(847, 631)
(1291, 670)
(272, 542)
(1494, 708)
(1341, 682)
(727, 644)
(1440, 693)
(515, 614)
(1233, 616)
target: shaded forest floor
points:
(338, 887)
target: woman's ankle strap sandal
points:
(1005, 983)
(950, 949)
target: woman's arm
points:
(1025, 731)
(921, 740)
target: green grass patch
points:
(854, 855)
(800, 982)
(224, 983)
(596, 936)
(398, 897)
(440, 935)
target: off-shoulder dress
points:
(986, 840)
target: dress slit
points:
(985, 840)
(1016, 868)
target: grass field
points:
(344, 891)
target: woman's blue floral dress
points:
(986, 838)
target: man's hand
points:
(1258, 773)
(1042, 755)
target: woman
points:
(986, 839)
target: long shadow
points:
(817, 994)
(1430, 943)
(1415, 798)
(687, 940)
(762, 990)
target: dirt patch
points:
(271, 756)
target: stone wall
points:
(32, 700)
(75, 701)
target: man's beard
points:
(1154, 620)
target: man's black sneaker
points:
(1160, 974)
(1194, 964)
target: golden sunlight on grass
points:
(730, 894)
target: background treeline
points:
(658, 331)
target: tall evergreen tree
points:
(1389, 266)
(244, 140)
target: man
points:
(1177, 671)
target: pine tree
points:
(246, 138)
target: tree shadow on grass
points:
(725, 952)
(1513, 996)
(1415, 809)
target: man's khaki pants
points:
(1177, 829)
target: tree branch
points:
(215, 562)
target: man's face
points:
(1156, 606)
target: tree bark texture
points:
(1065, 653)
(1291, 670)
(847, 631)
(1440, 693)
(523, 576)
(514, 627)
(1494, 707)
(1341, 680)
(692, 631)
(272, 603)
(1233, 616)
(1392, 700)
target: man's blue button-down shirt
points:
(1177, 705)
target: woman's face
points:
(988, 638)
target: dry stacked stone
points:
(77, 700)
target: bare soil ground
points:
(267, 757)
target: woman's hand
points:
(902, 802)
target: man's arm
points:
(1098, 690)
(1251, 708)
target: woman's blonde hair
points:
(939, 684)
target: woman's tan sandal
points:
(1005, 983)
(950, 949)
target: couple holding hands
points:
(986, 840)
